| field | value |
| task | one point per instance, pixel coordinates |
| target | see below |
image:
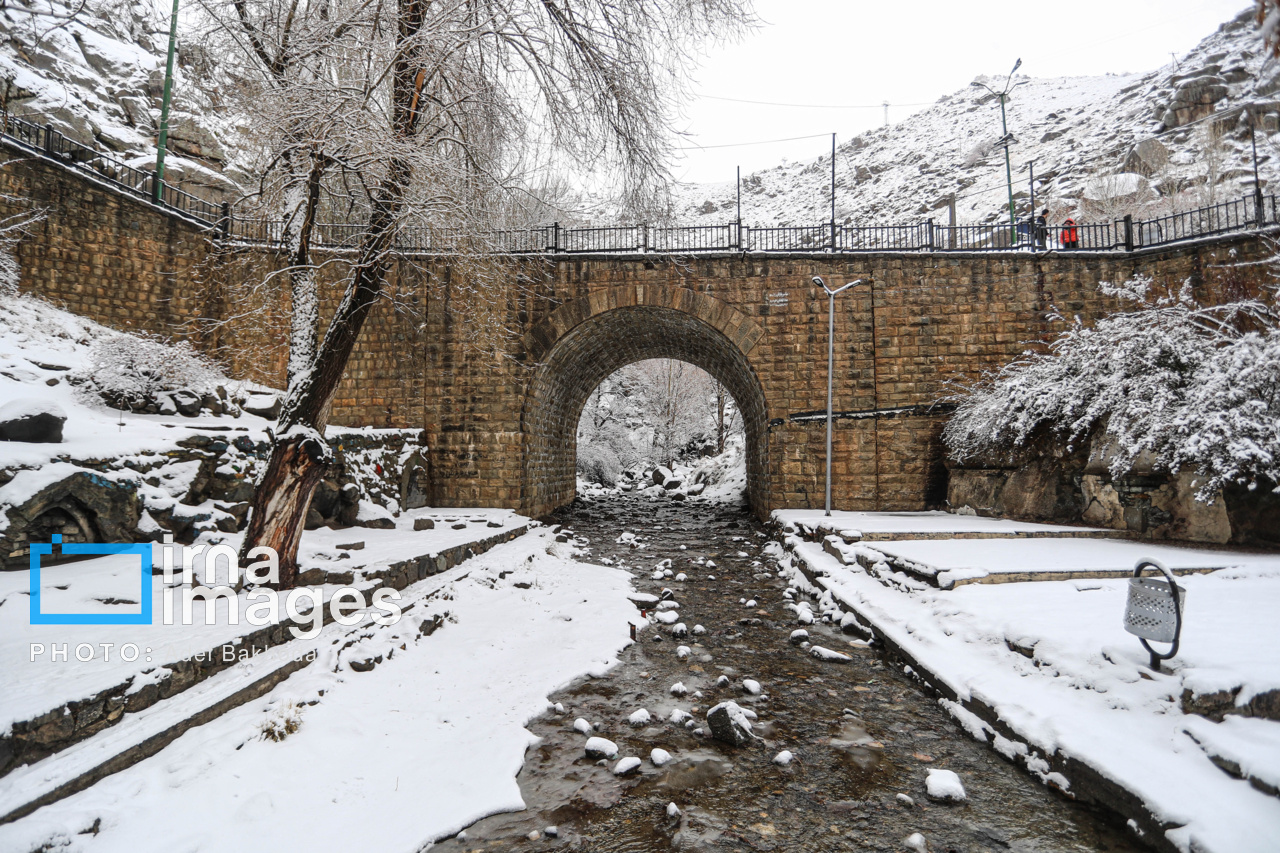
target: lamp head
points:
(817, 279)
(1016, 66)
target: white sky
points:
(844, 52)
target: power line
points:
(759, 142)
(814, 106)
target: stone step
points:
(143, 734)
(59, 728)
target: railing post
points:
(744, 239)
(833, 235)
(555, 238)
(644, 238)
(1128, 232)
(1258, 207)
(224, 224)
(48, 139)
(930, 243)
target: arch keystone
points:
(723, 317)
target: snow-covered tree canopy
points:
(1195, 387)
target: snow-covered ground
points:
(424, 744)
(37, 684)
(1085, 693)
(859, 525)
(44, 349)
(955, 562)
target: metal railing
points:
(1237, 215)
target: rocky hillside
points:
(98, 76)
(1175, 138)
(1102, 147)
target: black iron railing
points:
(1237, 215)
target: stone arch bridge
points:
(500, 419)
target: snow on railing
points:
(1238, 215)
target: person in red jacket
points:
(1070, 235)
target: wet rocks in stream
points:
(736, 736)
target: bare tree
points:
(431, 112)
(726, 416)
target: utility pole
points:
(1257, 184)
(831, 362)
(1032, 183)
(833, 192)
(739, 207)
(1004, 140)
(886, 113)
(951, 211)
(163, 141)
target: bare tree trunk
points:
(721, 431)
(299, 454)
(302, 197)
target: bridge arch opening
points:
(662, 413)
(602, 343)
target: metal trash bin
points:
(1154, 610)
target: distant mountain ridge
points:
(1085, 134)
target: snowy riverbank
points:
(425, 743)
(1045, 672)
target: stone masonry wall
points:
(429, 356)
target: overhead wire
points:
(878, 106)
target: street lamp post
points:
(831, 360)
(163, 141)
(1004, 128)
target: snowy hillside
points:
(1081, 132)
(97, 76)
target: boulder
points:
(1146, 158)
(187, 403)
(188, 136)
(660, 475)
(32, 420)
(263, 405)
(729, 724)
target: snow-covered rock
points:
(659, 757)
(639, 717)
(598, 747)
(33, 420)
(626, 766)
(751, 686)
(582, 726)
(915, 842)
(829, 655)
(783, 758)
(944, 786)
(730, 724)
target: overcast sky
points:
(909, 53)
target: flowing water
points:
(863, 734)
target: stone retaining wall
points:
(470, 353)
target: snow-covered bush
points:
(598, 464)
(1194, 387)
(282, 721)
(131, 371)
